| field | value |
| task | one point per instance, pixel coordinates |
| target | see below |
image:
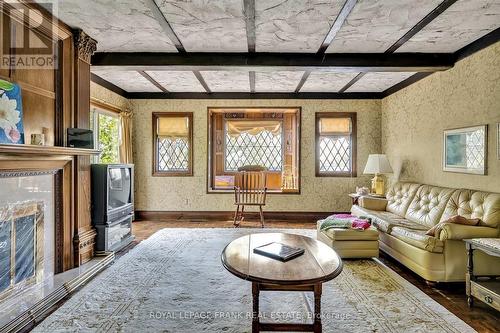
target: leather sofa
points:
(410, 210)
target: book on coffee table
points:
(279, 251)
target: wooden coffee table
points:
(318, 264)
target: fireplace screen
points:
(27, 240)
(21, 244)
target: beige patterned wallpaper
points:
(107, 96)
(189, 193)
(414, 118)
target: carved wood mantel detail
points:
(85, 46)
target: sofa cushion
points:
(399, 197)
(474, 204)
(418, 238)
(428, 205)
(385, 221)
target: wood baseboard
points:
(142, 215)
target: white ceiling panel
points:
(374, 25)
(177, 81)
(326, 82)
(130, 81)
(227, 81)
(378, 81)
(207, 25)
(461, 24)
(118, 26)
(293, 25)
(280, 81)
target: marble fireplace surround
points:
(61, 168)
(70, 241)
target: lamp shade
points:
(377, 163)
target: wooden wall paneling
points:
(68, 217)
(38, 116)
(4, 72)
(219, 144)
(84, 237)
(37, 87)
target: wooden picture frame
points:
(465, 150)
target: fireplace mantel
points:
(45, 150)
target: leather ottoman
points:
(351, 243)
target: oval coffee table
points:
(318, 264)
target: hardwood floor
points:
(450, 295)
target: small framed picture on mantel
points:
(465, 150)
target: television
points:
(112, 192)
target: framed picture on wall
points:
(465, 150)
(11, 113)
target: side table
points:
(487, 290)
(355, 197)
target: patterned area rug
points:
(174, 282)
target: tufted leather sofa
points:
(412, 209)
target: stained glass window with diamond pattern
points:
(173, 143)
(261, 145)
(335, 140)
(173, 154)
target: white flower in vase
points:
(9, 118)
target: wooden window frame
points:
(211, 135)
(107, 109)
(160, 173)
(354, 148)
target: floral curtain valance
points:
(253, 127)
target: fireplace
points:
(27, 236)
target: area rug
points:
(175, 282)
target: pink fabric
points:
(360, 224)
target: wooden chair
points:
(249, 190)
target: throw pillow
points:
(457, 219)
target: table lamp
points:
(377, 164)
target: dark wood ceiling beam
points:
(339, 21)
(405, 83)
(251, 78)
(108, 85)
(350, 83)
(479, 44)
(412, 32)
(302, 81)
(421, 24)
(162, 20)
(333, 62)
(153, 81)
(249, 12)
(247, 95)
(202, 81)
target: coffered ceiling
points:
(321, 46)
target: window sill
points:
(172, 174)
